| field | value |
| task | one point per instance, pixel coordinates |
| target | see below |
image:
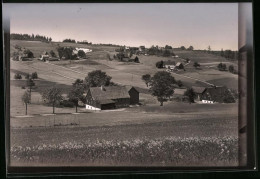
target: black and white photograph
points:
(124, 84)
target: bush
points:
(34, 75)
(159, 64)
(179, 83)
(52, 53)
(23, 87)
(17, 76)
(67, 103)
(231, 69)
(81, 54)
(222, 67)
(27, 76)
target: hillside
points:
(122, 72)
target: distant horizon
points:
(176, 24)
(115, 44)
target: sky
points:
(175, 24)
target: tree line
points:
(32, 37)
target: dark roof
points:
(106, 101)
(169, 63)
(178, 64)
(198, 89)
(214, 93)
(109, 92)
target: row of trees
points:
(32, 37)
(69, 40)
(223, 67)
(189, 48)
(160, 52)
(229, 54)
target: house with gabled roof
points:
(209, 94)
(111, 97)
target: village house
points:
(209, 94)
(142, 48)
(179, 65)
(111, 97)
(169, 65)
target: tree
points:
(190, 48)
(76, 94)
(17, 76)
(182, 48)
(26, 100)
(196, 64)
(209, 48)
(231, 69)
(147, 79)
(136, 60)
(52, 53)
(34, 75)
(166, 53)
(168, 47)
(28, 53)
(222, 53)
(228, 97)
(162, 86)
(190, 94)
(27, 76)
(222, 67)
(81, 54)
(30, 83)
(50, 39)
(179, 83)
(97, 78)
(77, 82)
(159, 64)
(52, 96)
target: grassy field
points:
(176, 134)
(158, 136)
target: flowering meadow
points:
(166, 151)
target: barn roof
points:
(109, 92)
(170, 63)
(178, 64)
(106, 101)
(198, 89)
(129, 87)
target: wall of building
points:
(92, 108)
(134, 96)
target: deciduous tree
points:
(162, 86)
(190, 94)
(52, 96)
(26, 100)
(97, 78)
(147, 79)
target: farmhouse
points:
(179, 65)
(169, 65)
(142, 48)
(210, 94)
(111, 97)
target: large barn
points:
(111, 97)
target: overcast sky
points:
(199, 25)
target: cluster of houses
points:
(45, 56)
(173, 66)
(113, 97)
(86, 50)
